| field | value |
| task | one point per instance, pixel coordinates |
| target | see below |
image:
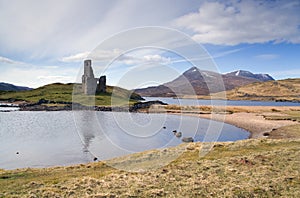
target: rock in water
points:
(178, 134)
(187, 139)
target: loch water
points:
(195, 102)
(44, 139)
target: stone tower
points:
(102, 84)
(89, 82)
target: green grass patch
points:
(72, 92)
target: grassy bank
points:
(64, 93)
(280, 90)
(248, 168)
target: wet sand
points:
(251, 118)
(252, 122)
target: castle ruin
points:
(90, 84)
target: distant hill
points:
(11, 87)
(195, 81)
(247, 74)
(281, 90)
(59, 92)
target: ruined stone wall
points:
(102, 84)
(89, 82)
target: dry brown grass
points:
(224, 109)
(288, 90)
(249, 168)
(286, 132)
(285, 90)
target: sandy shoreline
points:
(251, 118)
(252, 122)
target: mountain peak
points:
(195, 81)
(11, 87)
(248, 74)
(192, 69)
(242, 72)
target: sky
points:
(43, 42)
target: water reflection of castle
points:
(90, 84)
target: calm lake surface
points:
(193, 102)
(43, 139)
(9, 109)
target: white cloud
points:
(35, 76)
(156, 58)
(103, 55)
(206, 57)
(130, 58)
(228, 52)
(147, 59)
(7, 60)
(99, 55)
(56, 78)
(267, 56)
(235, 22)
(76, 57)
(54, 28)
(51, 67)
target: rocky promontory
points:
(49, 105)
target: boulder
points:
(145, 105)
(187, 139)
(42, 101)
(178, 134)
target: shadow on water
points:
(87, 128)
